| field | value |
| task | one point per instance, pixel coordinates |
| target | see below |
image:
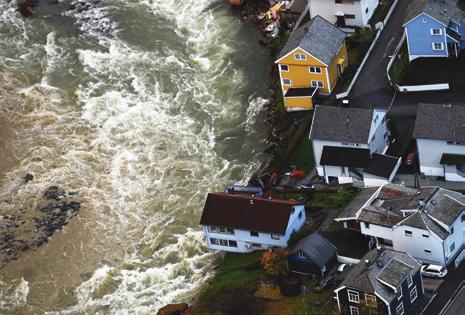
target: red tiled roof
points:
(247, 213)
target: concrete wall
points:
(328, 9)
(419, 38)
(422, 88)
(377, 231)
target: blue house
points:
(313, 255)
(434, 28)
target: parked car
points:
(307, 185)
(411, 158)
(324, 283)
(433, 271)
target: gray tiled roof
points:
(357, 203)
(415, 220)
(341, 124)
(379, 216)
(440, 122)
(434, 227)
(318, 37)
(445, 206)
(395, 272)
(316, 247)
(393, 268)
(442, 10)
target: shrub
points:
(274, 263)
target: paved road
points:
(370, 90)
(458, 304)
(452, 282)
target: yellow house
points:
(311, 62)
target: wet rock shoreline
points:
(29, 229)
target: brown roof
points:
(247, 213)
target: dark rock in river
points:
(28, 177)
(174, 309)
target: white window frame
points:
(354, 310)
(290, 82)
(413, 291)
(316, 84)
(408, 233)
(400, 293)
(355, 294)
(436, 29)
(315, 69)
(441, 44)
(302, 255)
(298, 56)
(409, 280)
(281, 68)
(373, 300)
(400, 309)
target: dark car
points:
(325, 283)
(411, 158)
(307, 185)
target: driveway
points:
(370, 89)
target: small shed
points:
(313, 255)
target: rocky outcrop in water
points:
(174, 309)
(30, 228)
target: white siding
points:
(328, 9)
(416, 244)
(458, 237)
(244, 239)
(430, 152)
(378, 130)
(376, 231)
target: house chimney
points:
(422, 203)
(367, 263)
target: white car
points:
(433, 271)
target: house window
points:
(220, 229)
(370, 300)
(373, 139)
(451, 230)
(300, 56)
(399, 294)
(302, 255)
(232, 243)
(287, 82)
(408, 233)
(438, 46)
(253, 233)
(462, 218)
(293, 210)
(425, 235)
(353, 296)
(318, 84)
(366, 10)
(400, 309)
(367, 225)
(214, 241)
(349, 16)
(315, 69)
(354, 310)
(274, 236)
(284, 67)
(413, 294)
(452, 247)
(436, 31)
(423, 20)
(256, 245)
(300, 215)
(223, 242)
(428, 251)
(409, 280)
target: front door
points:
(341, 20)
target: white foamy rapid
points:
(143, 107)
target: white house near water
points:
(427, 223)
(245, 223)
(349, 146)
(344, 12)
(440, 135)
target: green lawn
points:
(400, 65)
(302, 157)
(337, 200)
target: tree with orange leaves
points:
(274, 262)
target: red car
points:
(411, 158)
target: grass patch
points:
(400, 66)
(336, 200)
(279, 43)
(381, 11)
(236, 280)
(302, 157)
(335, 226)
